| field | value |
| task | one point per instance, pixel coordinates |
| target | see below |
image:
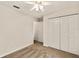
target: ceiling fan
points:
(38, 5)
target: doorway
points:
(38, 31)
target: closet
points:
(62, 33)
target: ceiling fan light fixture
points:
(41, 8)
(38, 5)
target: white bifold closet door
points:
(53, 33)
(64, 33)
(74, 34)
(70, 34)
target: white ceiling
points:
(25, 8)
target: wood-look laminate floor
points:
(37, 50)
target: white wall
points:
(16, 30)
(38, 29)
(72, 8)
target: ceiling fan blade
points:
(46, 3)
(30, 2)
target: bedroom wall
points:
(16, 30)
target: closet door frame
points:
(72, 38)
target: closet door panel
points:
(74, 34)
(64, 27)
(53, 33)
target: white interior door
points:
(53, 33)
(74, 34)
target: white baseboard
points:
(15, 50)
